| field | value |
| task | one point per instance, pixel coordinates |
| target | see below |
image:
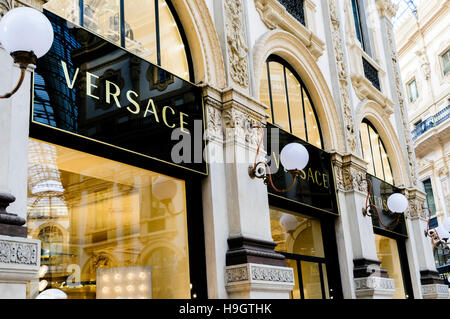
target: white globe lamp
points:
(26, 34)
(288, 222)
(294, 157)
(442, 232)
(397, 203)
(52, 294)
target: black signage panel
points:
(315, 187)
(379, 195)
(92, 88)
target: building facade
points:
(134, 148)
(424, 65)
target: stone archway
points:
(293, 51)
(377, 116)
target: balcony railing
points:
(431, 122)
(371, 74)
(295, 8)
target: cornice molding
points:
(274, 15)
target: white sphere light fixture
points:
(27, 35)
(442, 232)
(397, 203)
(294, 157)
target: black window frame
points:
(157, 28)
(303, 88)
(360, 22)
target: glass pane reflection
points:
(99, 217)
(387, 251)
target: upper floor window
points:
(430, 196)
(362, 31)
(446, 62)
(412, 90)
(374, 153)
(291, 107)
(148, 28)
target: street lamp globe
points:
(397, 203)
(294, 157)
(26, 30)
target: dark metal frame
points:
(380, 143)
(157, 24)
(371, 74)
(295, 8)
(275, 58)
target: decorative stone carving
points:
(213, 119)
(237, 123)
(387, 8)
(416, 205)
(256, 272)
(343, 78)
(274, 15)
(237, 47)
(401, 102)
(349, 175)
(424, 64)
(12, 252)
(375, 283)
(435, 291)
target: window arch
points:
(148, 28)
(290, 104)
(374, 152)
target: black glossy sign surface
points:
(378, 197)
(314, 187)
(89, 87)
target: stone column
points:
(419, 246)
(19, 256)
(362, 276)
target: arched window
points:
(290, 105)
(148, 28)
(374, 152)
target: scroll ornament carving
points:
(387, 8)
(349, 179)
(374, 283)
(343, 75)
(416, 209)
(237, 48)
(18, 253)
(214, 119)
(401, 102)
(239, 124)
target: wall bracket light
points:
(26, 34)
(294, 157)
(397, 204)
(440, 235)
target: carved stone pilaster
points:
(416, 204)
(343, 76)
(350, 173)
(236, 43)
(402, 106)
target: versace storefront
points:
(147, 162)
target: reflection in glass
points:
(287, 98)
(375, 153)
(149, 33)
(296, 234)
(387, 252)
(94, 214)
(311, 280)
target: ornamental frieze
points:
(374, 283)
(18, 253)
(252, 272)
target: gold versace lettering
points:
(165, 117)
(70, 84)
(89, 84)
(136, 104)
(114, 95)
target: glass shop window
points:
(387, 252)
(148, 30)
(289, 102)
(108, 230)
(374, 153)
(430, 196)
(299, 239)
